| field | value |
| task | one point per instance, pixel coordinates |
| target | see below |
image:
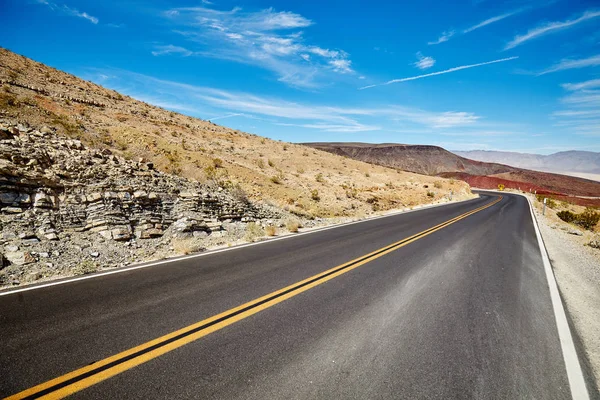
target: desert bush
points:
(319, 178)
(430, 194)
(217, 163)
(186, 246)
(237, 192)
(314, 194)
(253, 232)
(588, 219)
(292, 225)
(260, 163)
(8, 100)
(566, 216)
(437, 184)
(551, 203)
(85, 267)
(271, 163)
(451, 181)
(270, 230)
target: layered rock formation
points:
(53, 189)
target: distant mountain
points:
(433, 160)
(572, 162)
(421, 159)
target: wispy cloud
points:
(171, 49)
(444, 37)
(424, 62)
(455, 69)
(549, 28)
(591, 84)
(492, 20)
(269, 39)
(64, 9)
(581, 115)
(447, 35)
(199, 101)
(224, 116)
(573, 64)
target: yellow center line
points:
(94, 373)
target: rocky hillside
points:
(433, 160)
(62, 203)
(304, 181)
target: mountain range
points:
(585, 164)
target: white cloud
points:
(198, 99)
(577, 113)
(224, 116)
(582, 113)
(548, 28)
(444, 37)
(62, 8)
(342, 66)
(584, 98)
(268, 39)
(424, 62)
(170, 49)
(593, 83)
(447, 35)
(573, 64)
(491, 21)
(412, 78)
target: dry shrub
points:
(292, 225)
(253, 232)
(86, 267)
(186, 246)
(271, 230)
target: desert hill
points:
(433, 160)
(421, 159)
(304, 181)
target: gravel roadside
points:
(577, 270)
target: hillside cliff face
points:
(421, 159)
(61, 203)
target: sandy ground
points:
(577, 270)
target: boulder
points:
(19, 257)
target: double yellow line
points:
(92, 374)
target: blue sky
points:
(474, 74)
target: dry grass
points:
(265, 170)
(271, 230)
(186, 246)
(292, 226)
(253, 232)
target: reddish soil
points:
(492, 182)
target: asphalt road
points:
(463, 312)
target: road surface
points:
(459, 311)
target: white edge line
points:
(9, 291)
(572, 364)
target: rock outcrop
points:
(54, 189)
